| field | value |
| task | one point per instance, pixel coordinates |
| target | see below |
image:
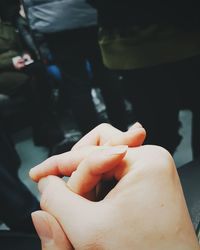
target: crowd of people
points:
(146, 53)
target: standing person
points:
(155, 47)
(71, 32)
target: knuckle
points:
(103, 126)
(52, 161)
(164, 160)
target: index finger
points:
(60, 165)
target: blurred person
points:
(72, 35)
(154, 46)
(20, 74)
(146, 209)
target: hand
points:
(145, 210)
(26, 56)
(18, 62)
(27, 59)
(102, 134)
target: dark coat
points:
(115, 13)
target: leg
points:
(8, 153)
(46, 128)
(69, 51)
(17, 202)
(189, 82)
(113, 94)
(109, 83)
(155, 104)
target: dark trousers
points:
(152, 93)
(8, 154)
(17, 202)
(112, 89)
(158, 93)
(33, 99)
(188, 79)
(40, 88)
(71, 50)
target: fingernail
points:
(116, 150)
(136, 125)
(33, 171)
(42, 184)
(42, 227)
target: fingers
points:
(98, 136)
(50, 232)
(134, 137)
(109, 135)
(92, 169)
(65, 164)
(60, 165)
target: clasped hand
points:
(146, 209)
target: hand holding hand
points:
(145, 210)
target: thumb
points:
(50, 232)
(65, 206)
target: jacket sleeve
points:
(6, 59)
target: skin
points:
(145, 210)
(19, 64)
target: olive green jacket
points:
(9, 46)
(10, 79)
(138, 47)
